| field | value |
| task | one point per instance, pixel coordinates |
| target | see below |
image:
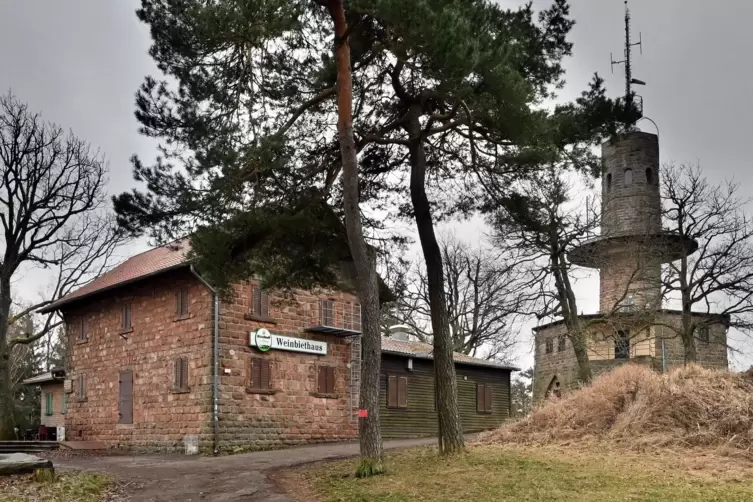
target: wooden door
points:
(125, 402)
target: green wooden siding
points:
(420, 417)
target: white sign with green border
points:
(263, 340)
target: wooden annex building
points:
(407, 390)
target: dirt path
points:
(245, 477)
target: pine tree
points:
(446, 94)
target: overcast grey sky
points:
(79, 62)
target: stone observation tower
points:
(632, 246)
(629, 252)
(631, 325)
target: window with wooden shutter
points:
(180, 374)
(260, 374)
(483, 398)
(181, 303)
(83, 332)
(48, 404)
(259, 302)
(81, 387)
(125, 317)
(325, 380)
(397, 391)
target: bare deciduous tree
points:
(52, 215)
(482, 304)
(716, 280)
(541, 227)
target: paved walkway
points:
(244, 477)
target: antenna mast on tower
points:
(629, 80)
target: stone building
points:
(631, 325)
(156, 361)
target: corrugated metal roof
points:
(153, 261)
(422, 350)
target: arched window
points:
(609, 182)
(649, 176)
(628, 177)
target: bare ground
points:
(244, 477)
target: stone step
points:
(27, 446)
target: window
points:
(328, 312)
(561, 343)
(326, 380)
(609, 182)
(397, 391)
(64, 406)
(181, 303)
(259, 301)
(83, 329)
(649, 176)
(628, 177)
(125, 317)
(180, 374)
(81, 387)
(48, 403)
(622, 345)
(483, 398)
(702, 333)
(550, 345)
(260, 374)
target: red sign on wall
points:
(363, 413)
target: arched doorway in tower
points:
(554, 388)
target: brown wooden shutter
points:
(402, 392)
(256, 373)
(84, 329)
(392, 392)
(126, 398)
(263, 303)
(330, 380)
(479, 397)
(178, 306)
(81, 387)
(255, 299)
(184, 373)
(321, 378)
(487, 398)
(176, 373)
(265, 374)
(184, 301)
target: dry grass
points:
(517, 474)
(634, 407)
(66, 487)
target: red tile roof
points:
(151, 262)
(421, 350)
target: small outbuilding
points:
(407, 398)
(54, 401)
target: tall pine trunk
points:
(7, 403)
(369, 430)
(450, 430)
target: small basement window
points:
(628, 177)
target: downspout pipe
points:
(215, 363)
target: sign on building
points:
(263, 340)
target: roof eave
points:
(63, 302)
(469, 363)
